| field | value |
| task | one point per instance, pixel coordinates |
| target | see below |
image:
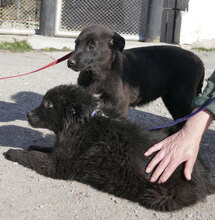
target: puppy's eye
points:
(91, 47)
(48, 104)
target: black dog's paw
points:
(40, 148)
(13, 155)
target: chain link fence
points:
(128, 17)
(19, 15)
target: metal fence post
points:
(154, 20)
(47, 17)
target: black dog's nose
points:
(71, 63)
(30, 114)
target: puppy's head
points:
(62, 107)
(95, 49)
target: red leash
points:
(44, 67)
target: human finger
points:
(188, 169)
(153, 149)
(170, 168)
(160, 169)
(157, 158)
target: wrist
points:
(199, 123)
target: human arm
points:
(183, 146)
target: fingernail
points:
(146, 154)
(152, 179)
(148, 170)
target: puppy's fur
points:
(105, 153)
(136, 76)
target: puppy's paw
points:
(13, 155)
(40, 148)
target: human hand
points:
(180, 147)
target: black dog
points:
(136, 76)
(105, 153)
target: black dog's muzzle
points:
(71, 63)
(33, 119)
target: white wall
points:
(198, 23)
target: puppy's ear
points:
(118, 42)
(69, 117)
(77, 113)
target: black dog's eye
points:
(91, 47)
(48, 104)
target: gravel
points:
(24, 194)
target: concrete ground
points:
(25, 194)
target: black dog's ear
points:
(69, 117)
(118, 42)
(70, 112)
(76, 113)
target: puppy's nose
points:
(30, 114)
(71, 63)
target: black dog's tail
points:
(168, 199)
(174, 198)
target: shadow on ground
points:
(23, 103)
(20, 137)
(15, 135)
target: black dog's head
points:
(61, 107)
(95, 49)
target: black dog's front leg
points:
(35, 160)
(40, 148)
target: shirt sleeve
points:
(209, 92)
